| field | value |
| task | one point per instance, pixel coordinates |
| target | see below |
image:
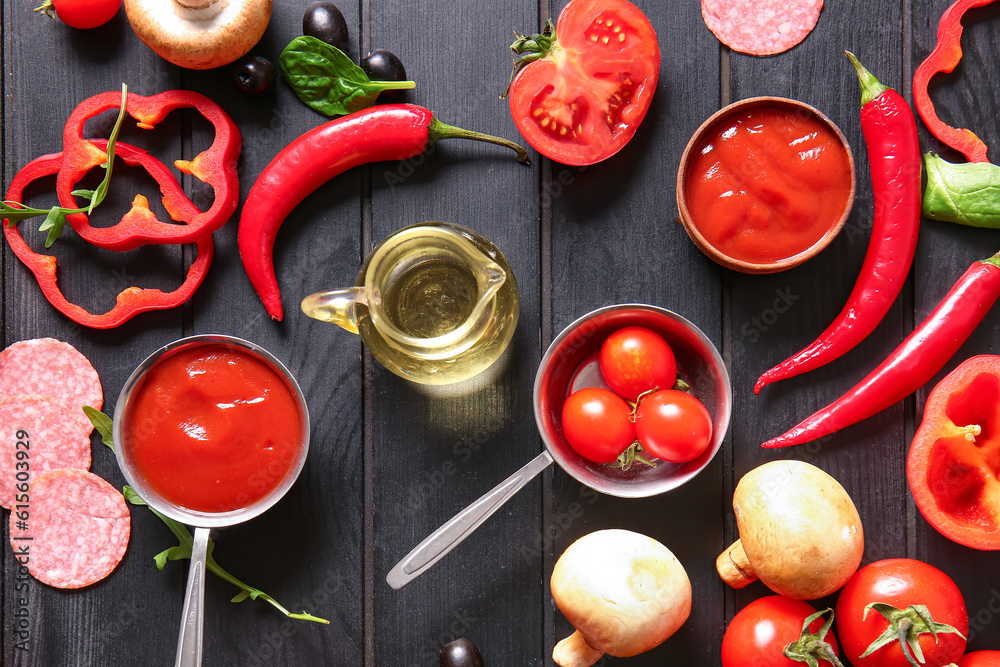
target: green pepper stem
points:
(437, 131)
(870, 86)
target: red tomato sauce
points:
(767, 183)
(212, 428)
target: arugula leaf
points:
(103, 424)
(326, 80)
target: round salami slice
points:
(50, 367)
(761, 27)
(38, 434)
(73, 532)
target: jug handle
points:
(336, 305)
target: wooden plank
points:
(774, 316)
(307, 550)
(95, 625)
(966, 98)
(438, 451)
(614, 240)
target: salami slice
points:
(50, 367)
(74, 530)
(761, 27)
(38, 434)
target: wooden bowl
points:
(684, 207)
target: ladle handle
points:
(460, 526)
(189, 642)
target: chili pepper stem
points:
(437, 131)
(870, 86)
(994, 260)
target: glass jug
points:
(434, 303)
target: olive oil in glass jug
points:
(435, 303)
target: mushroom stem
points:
(574, 651)
(195, 9)
(734, 566)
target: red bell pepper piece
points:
(386, 132)
(894, 155)
(914, 362)
(132, 300)
(215, 167)
(944, 58)
(954, 458)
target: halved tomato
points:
(580, 93)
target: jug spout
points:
(336, 306)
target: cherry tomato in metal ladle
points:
(255, 75)
(461, 653)
(382, 65)
(325, 22)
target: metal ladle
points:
(189, 641)
(569, 364)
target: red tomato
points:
(673, 425)
(635, 360)
(980, 659)
(583, 99)
(757, 636)
(900, 582)
(86, 13)
(596, 423)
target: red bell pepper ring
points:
(132, 300)
(215, 167)
(954, 458)
(943, 59)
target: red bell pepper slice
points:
(132, 300)
(954, 458)
(216, 167)
(943, 59)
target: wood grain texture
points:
(390, 461)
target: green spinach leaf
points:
(326, 80)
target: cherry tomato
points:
(980, 659)
(635, 360)
(86, 14)
(759, 633)
(596, 423)
(673, 425)
(582, 100)
(900, 582)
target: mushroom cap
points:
(199, 34)
(624, 592)
(799, 528)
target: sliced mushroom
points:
(199, 34)
(800, 533)
(623, 592)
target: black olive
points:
(325, 22)
(461, 653)
(382, 65)
(255, 75)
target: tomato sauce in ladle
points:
(210, 431)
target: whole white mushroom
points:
(199, 34)
(625, 593)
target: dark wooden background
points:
(390, 461)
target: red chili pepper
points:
(894, 157)
(944, 58)
(914, 362)
(215, 166)
(387, 132)
(132, 300)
